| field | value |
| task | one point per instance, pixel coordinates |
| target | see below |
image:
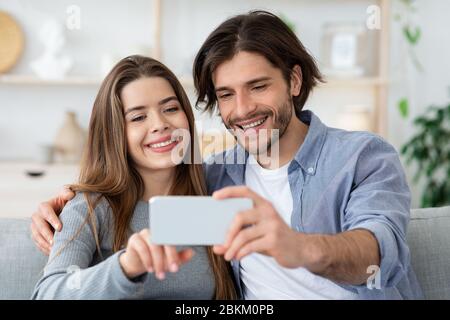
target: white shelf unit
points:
(379, 83)
(34, 80)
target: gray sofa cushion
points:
(21, 263)
(429, 243)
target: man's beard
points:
(280, 124)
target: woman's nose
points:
(158, 124)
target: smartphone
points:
(192, 220)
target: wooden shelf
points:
(363, 81)
(188, 82)
(34, 80)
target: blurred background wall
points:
(32, 110)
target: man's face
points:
(255, 102)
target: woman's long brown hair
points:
(108, 171)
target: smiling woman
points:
(154, 120)
(137, 120)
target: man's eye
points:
(261, 87)
(225, 96)
(138, 118)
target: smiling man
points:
(330, 215)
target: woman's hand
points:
(141, 256)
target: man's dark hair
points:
(259, 32)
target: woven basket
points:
(11, 42)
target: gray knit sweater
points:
(78, 272)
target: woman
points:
(135, 126)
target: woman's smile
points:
(164, 144)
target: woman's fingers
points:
(158, 261)
(142, 249)
(186, 255)
(168, 259)
(172, 258)
(162, 258)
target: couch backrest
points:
(429, 243)
(21, 263)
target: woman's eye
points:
(171, 109)
(138, 118)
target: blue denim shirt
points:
(341, 181)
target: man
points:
(329, 219)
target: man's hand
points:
(342, 257)
(46, 218)
(260, 229)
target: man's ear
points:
(296, 80)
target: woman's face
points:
(152, 116)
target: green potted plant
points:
(429, 148)
(412, 33)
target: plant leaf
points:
(412, 36)
(403, 107)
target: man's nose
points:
(244, 105)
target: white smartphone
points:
(192, 220)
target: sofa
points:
(21, 264)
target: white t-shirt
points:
(262, 276)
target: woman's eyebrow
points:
(160, 103)
(134, 109)
(165, 100)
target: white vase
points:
(70, 140)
